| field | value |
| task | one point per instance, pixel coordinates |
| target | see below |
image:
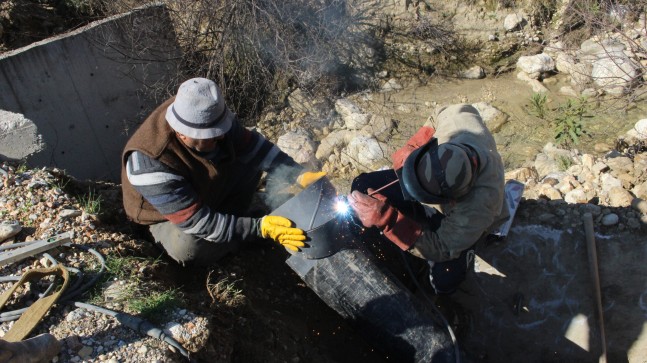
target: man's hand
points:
(309, 177)
(280, 230)
(375, 211)
(421, 137)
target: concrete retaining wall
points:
(85, 91)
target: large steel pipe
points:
(349, 279)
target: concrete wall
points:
(85, 91)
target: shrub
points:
(568, 124)
(538, 105)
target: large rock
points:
(391, 85)
(334, 140)
(522, 174)
(494, 119)
(366, 153)
(598, 48)
(378, 126)
(299, 146)
(620, 164)
(564, 62)
(351, 114)
(576, 196)
(640, 129)
(581, 75)
(476, 72)
(545, 165)
(19, 136)
(609, 182)
(535, 65)
(619, 197)
(640, 190)
(513, 22)
(615, 70)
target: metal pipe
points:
(349, 279)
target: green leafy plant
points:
(568, 124)
(538, 105)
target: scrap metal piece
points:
(313, 210)
(35, 248)
(513, 193)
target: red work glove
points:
(420, 138)
(375, 211)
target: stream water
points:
(524, 135)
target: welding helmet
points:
(438, 174)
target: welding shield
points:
(314, 211)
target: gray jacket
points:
(483, 209)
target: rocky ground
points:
(247, 308)
(252, 295)
(251, 307)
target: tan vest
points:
(155, 138)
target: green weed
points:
(22, 168)
(91, 203)
(538, 105)
(568, 124)
(153, 305)
(564, 162)
(137, 296)
(123, 267)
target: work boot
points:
(41, 348)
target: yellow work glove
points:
(309, 177)
(280, 229)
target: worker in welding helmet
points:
(189, 173)
(450, 194)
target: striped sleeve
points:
(254, 149)
(174, 197)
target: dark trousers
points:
(242, 182)
(444, 276)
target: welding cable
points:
(15, 314)
(437, 312)
(137, 324)
(69, 294)
(74, 270)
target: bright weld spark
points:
(342, 207)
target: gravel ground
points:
(34, 206)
